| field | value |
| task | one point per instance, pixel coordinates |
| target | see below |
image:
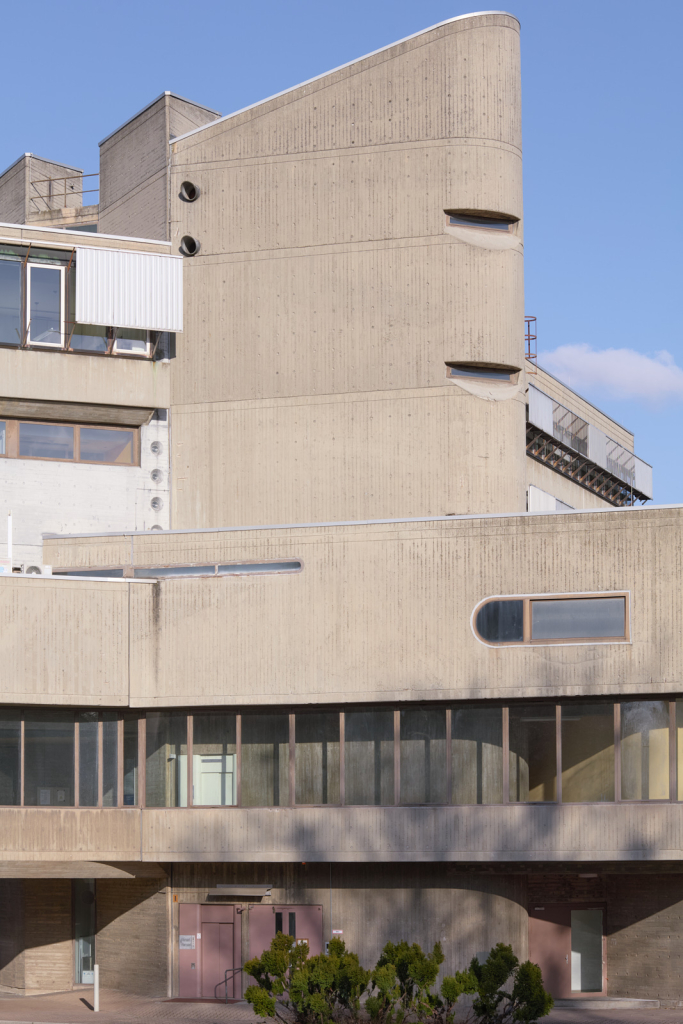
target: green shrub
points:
(319, 989)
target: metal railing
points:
(232, 971)
(59, 189)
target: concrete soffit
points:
(341, 67)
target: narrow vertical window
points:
(645, 750)
(587, 753)
(369, 757)
(477, 755)
(423, 756)
(110, 758)
(10, 738)
(214, 754)
(533, 757)
(130, 759)
(87, 758)
(166, 766)
(45, 305)
(49, 758)
(317, 758)
(265, 760)
(10, 303)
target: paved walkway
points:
(116, 1008)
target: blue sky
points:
(602, 149)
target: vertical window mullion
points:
(526, 628)
(100, 760)
(397, 757)
(22, 757)
(77, 444)
(558, 746)
(342, 761)
(142, 759)
(77, 761)
(617, 752)
(190, 761)
(238, 759)
(292, 763)
(673, 780)
(449, 758)
(506, 755)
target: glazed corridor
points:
(358, 756)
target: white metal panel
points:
(597, 446)
(643, 477)
(139, 290)
(540, 410)
(541, 501)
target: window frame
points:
(564, 641)
(30, 266)
(511, 374)
(12, 431)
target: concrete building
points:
(328, 610)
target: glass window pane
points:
(587, 752)
(501, 621)
(10, 731)
(316, 756)
(423, 756)
(477, 753)
(87, 758)
(645, 750)
(46, 441)
(88, 337)
(369, 757)
(10, 303)
(130, 759)
(45, 305)
(128, 340)
(214, 756)
(265, 760)
(49, 758)
(166, 765)
(3, 437)
(533, 759)
(102, 445)
(577, 618)
(110, 758)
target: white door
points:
(213, 780)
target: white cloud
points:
(616, 372)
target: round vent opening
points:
(156, 527)
(156, 448)
(157, 476)
(157, 504)
(189, 191)
(189, 246)
(34, 570)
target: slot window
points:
(553, 619)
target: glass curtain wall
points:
(462, 754)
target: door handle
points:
(566, 958)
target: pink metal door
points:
(557, 943)
(209, 945)
(302, 922)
